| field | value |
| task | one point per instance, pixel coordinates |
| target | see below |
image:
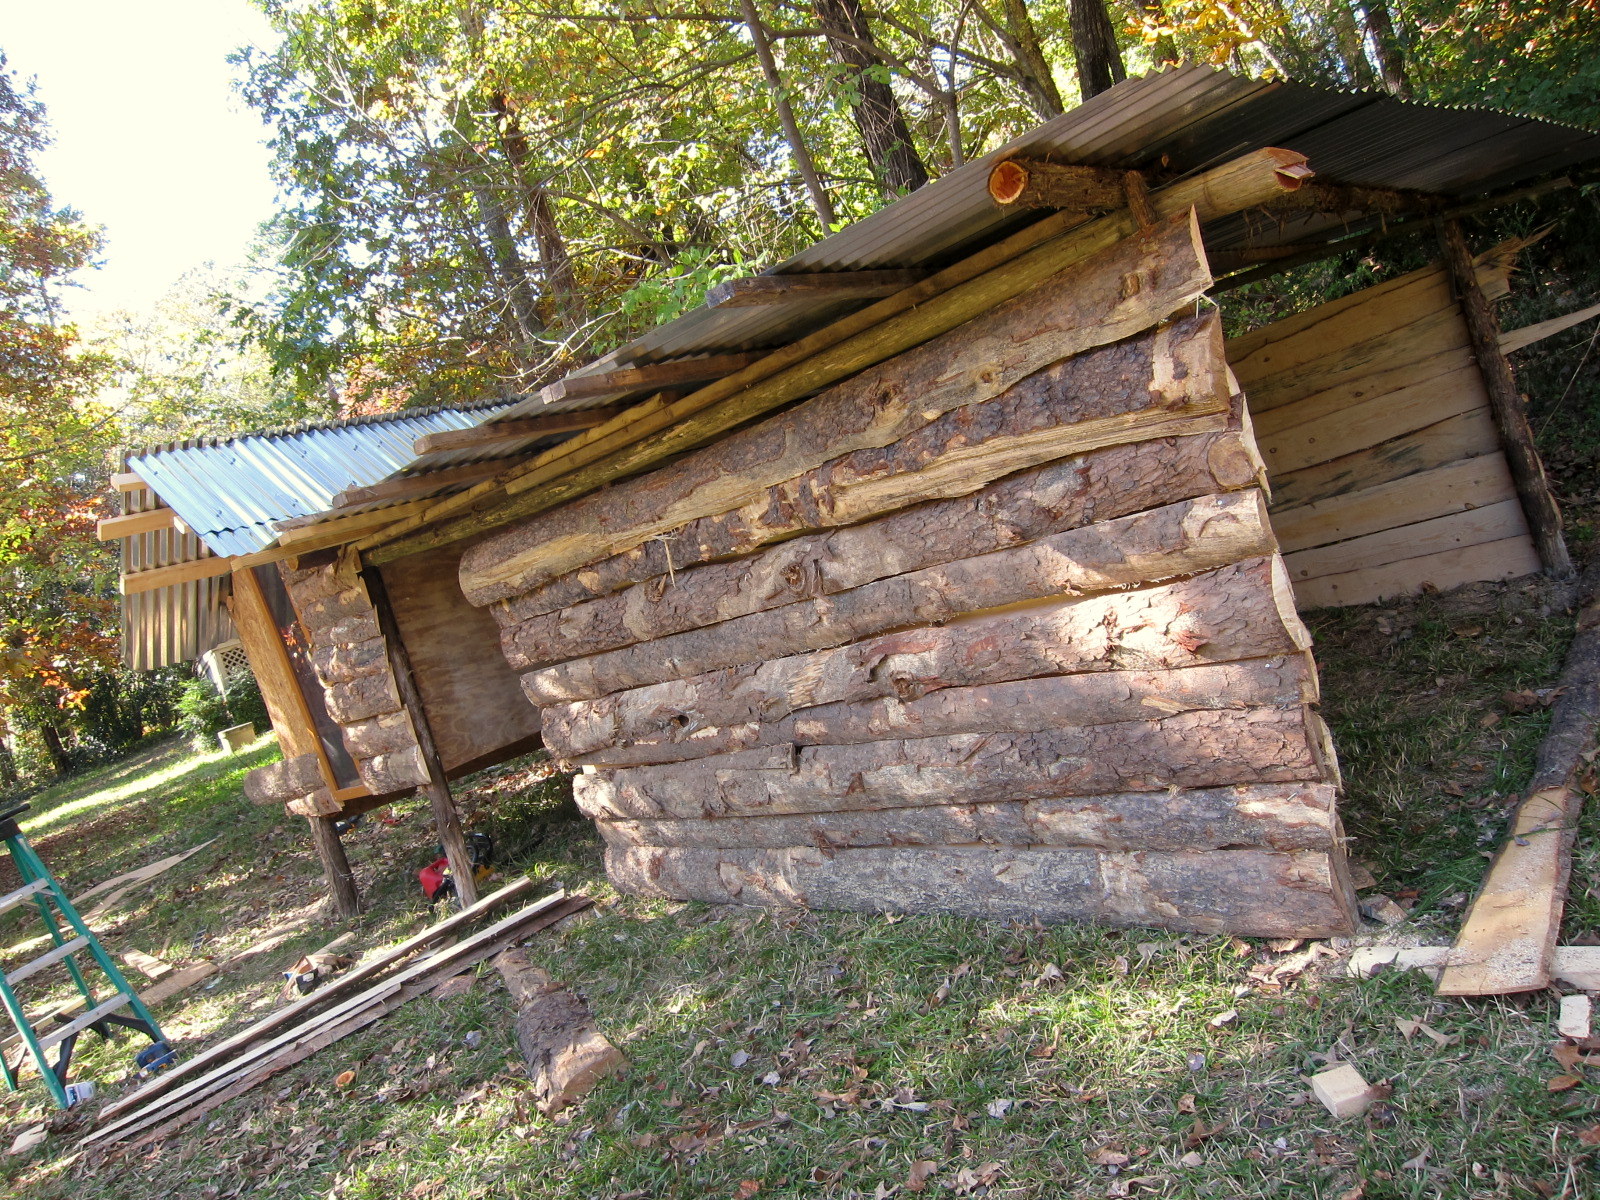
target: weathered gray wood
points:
(1257, 893)
(1278, 816)
(1193, 749)
(1244, 610)
(1172, 372)
(362, 697)
(823, 286)
(1018, 706)
(1177, 539)
(650, 376)
(1105, 298)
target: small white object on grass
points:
(1343, 1091)
(1573, 1021)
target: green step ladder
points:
(71, 937)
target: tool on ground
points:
(72, 938)
(435, 877)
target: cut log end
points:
(1293, 174)
(1008, 181)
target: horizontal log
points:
(649, 377)
(1193, 749)
(1109, 482)
(1177, 539)
(340, 662)
(1014, 706)
(948, 529)
(1241, 611)
(362, 697)
(1511, 558)
(1278, 816)
(382, 734)
(1034, 183)
(1107, 297)
(319, 803)
(407, 486)
(284, 780)
(1254, 893)
(1492, 523)
(395, 771)
(757, 290)
(517, 429)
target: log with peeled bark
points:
(1274, 816)
(1256, 893)
(1244, 610)
(1177, 539)
(1094, 486)
(1194, 749)
(1106, 297)
(1118, 381)
(1018, 706)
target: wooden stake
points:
(341, 880)
(1527, 469)
(445, 817)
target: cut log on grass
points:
(1018, 706)
(1279, 816)
(565, 1051)
(1507, 942)
(1256, 893)
(1177, 539)
(1245, 610)
(1196, 749)
(1107, 297)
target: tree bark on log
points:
(1256, 893)
(1176, 371)
(1280, 816)
(1105, 298)
(341, 880)
(1194, 749)
(1019, 706)
(1178, 539)
(1245, 610)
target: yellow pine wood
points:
(1508, 558)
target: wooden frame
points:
(109, 529)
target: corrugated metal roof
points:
(231, 491)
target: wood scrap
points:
(564, 1048)
(139, 874)
(147, 965)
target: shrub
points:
(245, 703)
(202, 713)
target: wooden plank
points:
(269, 662)
(1456, 487)
(148, 965)
(170, 576)
(108, 529)
(127, 481)
(411, 485)
(896, 323)
(1516, 339)
(1492, 523)
(297, 538)
(652, 377)
(1309, 404)
(498, 432)
(139, 874)
(178, 981)
(1506, 559)
(759, 290)
(1470, 435)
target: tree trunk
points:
(786, 118)
(59, 762)
(1022, 40)
(1274, 816)
(1163, 375)
(521, 302)
(1094, 47)
(1387, 47)
(1200, 749)
(1238, 612)
(8, 765)
(1018, 706)
(1178, 539)
(561, 283)
(335, 867)
(884, 135)
(1104, 298)
(1255, 893)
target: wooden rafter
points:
(414, 485)
(127, 481)
(169, 576)
(500, 432)
(652, 376)
(109, 529)
(760, 290)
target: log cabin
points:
(954, 564)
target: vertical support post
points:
(341, 880)
(1516, 436)
(445, 817)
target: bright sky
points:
(150, 140)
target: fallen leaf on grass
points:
(746, 1189)
(739, 1059)
(344, 1079)
(1192, 1159)
(1223, 1019)
(921, 1171)
(1200, 1131)
(1410, 1028)
(1359, 1192)
(940, 996)
(1590, 1136)
(1562, 1083)
(1186, 1103)
(969, 1179)
(1419, 1163)
(1108, 1156)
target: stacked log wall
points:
(1387, 472)
(997, 627)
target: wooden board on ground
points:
(139, 874)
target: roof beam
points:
(1034, 183)
(655, 376)
(109, 529)
(305, 534)
(170, 576)
(1338, 198)
(408, 486)
(758, 290)
(499, 432)
(127, 481)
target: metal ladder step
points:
(11, 899)
(44, 960)
(56, 1036)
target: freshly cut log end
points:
(1293, 175)
(1254, 893)
(1008, 181)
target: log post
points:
(1527, 469)
(445, 817)
(341, 880)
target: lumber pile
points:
(996, 625)
(171, 1100)
(1387, 470)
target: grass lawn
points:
(828, 1055)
